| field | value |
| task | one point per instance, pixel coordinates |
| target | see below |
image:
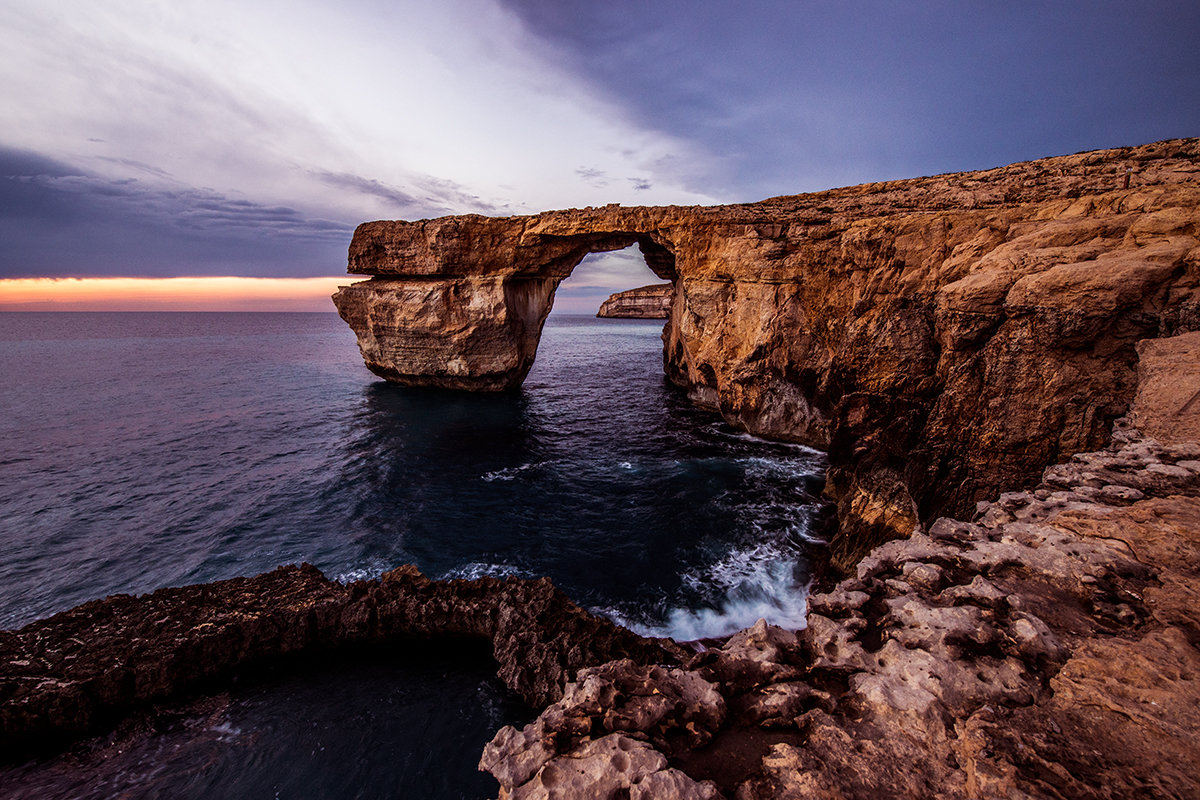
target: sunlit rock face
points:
(944, 338)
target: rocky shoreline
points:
(80, 671)
(1048, 648)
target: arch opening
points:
(601, 274)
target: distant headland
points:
(644, 302)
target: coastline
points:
(1013, 652)
(977, 658)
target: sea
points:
(148, 449)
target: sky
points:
(246, 139)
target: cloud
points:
(790, 97)
(593, 177)
(300, 117)
(60, 221)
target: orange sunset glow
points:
(170, 294)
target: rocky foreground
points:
(79, 671)
(1050, 648)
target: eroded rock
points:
(75, 672)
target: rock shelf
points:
(78, 671)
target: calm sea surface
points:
(140, 450)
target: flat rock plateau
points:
(1003, 366)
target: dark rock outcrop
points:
(80, 670)
(644, 302)
(944, 338)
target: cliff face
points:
(644, 302)
(943, 338)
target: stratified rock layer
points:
(75, 672)
(644, 302)
(944, 338)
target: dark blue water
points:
(142, 450)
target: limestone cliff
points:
(644, 302)
(944, 338)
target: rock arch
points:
(943, 338)
(460, 302)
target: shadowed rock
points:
(77, 671)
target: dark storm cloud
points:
(808, 95)
(56, 219)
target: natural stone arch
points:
(438, 314)
(942, 338)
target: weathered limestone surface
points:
(944, 338)
(644, 302)
(80, 670)
(1049, 648)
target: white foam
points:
(369, 572)
(760, 576)
(752, 582)
(720, 429)
(509, 473)
(225, 731)
(484, 569)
